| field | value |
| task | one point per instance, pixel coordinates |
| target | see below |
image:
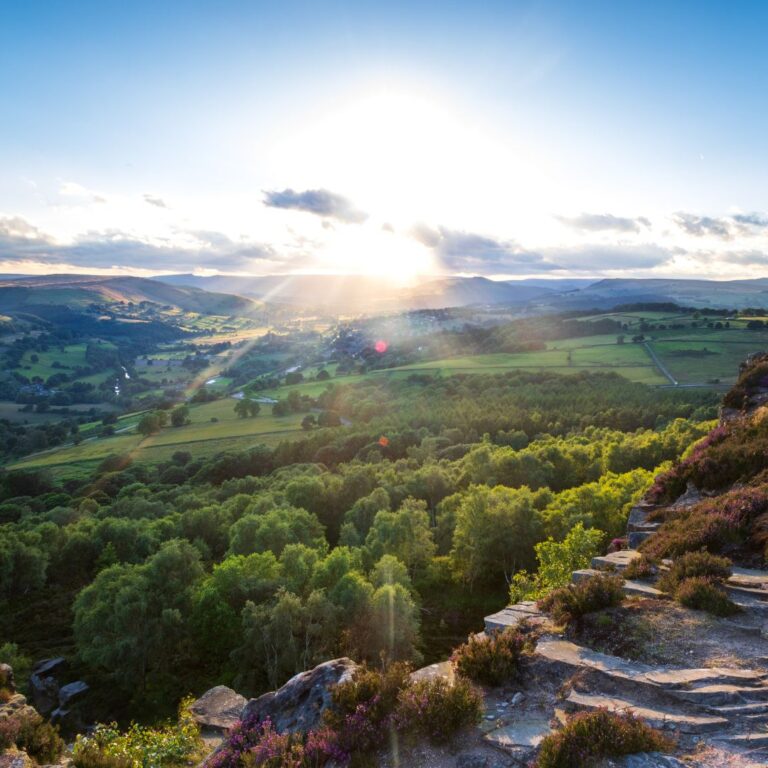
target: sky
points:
(508, 139)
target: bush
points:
(491, 659)
(557, 561)
(693, 565)
(642, 567)
(437, 709)
(589, 736)
(168, 745)
(39, 739)
(568, 604)
(9, 730)
(704, 594)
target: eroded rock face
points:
(218, 709)
(299, 705)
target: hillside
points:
(78, 291)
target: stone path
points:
(725, 707)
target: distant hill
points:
(714, 294)
(75, 291)
(363, 293)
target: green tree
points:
(496, 530)
(131, 620)
(152, 422)
(180, 416)
(405, 534)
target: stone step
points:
(630, 587)
(512, 615)
(743, 710)
(748, 577)
(711, 686)
(737, 590)
(615, 560)
(718, 694)
(656, 717)
(745, 740)
(643, 527)
(636, 538)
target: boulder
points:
(6, 678)
(645, 760)
(43, 686)
(299, 705)
(218, 709)
(72, 691)
(15, 759)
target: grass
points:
(202, 436)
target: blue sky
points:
(500, 138)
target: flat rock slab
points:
(644, 760)
(618, 560)
(641, 589)
(657, 718)
(748, 577)
(572, 655)
(512, 615)
(526, 732)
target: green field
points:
(69, 357)
(201, 437)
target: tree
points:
(180, 416)
(308, 422)
(152, 422)
(323, 375)
(246, 407)
(131, 620)
(496, 530)
(274, 530)
(405, 534)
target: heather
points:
(492, 658)
(589, 736)
(568, 605)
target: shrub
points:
(491, 659)
(589, 736)
(693, 565)
(166, 745)
(437, 709)
(704, 594)
(39, 739)
(557, 561)
(642, 567)
(568, 604)
(9, 731)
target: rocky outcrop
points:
(299, 705)
(218, 709)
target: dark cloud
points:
(589, 258)
(469, 252)
(21, 241)
(756, 220)
(156, 201)
(746, 258)
(320, 202)
(600, 222)
(703, 226)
